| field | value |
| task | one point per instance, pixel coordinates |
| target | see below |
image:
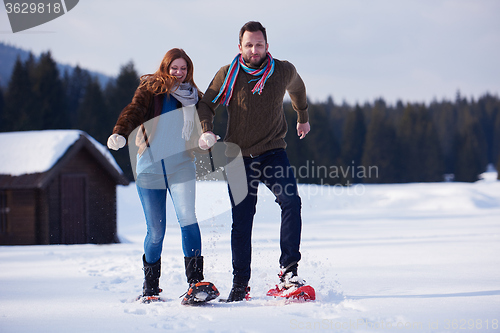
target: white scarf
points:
(188, 96)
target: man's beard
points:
(255, 63)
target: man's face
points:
(253, 48)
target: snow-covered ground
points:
(408, 257)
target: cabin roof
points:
(30, 159)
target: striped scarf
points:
(227, 87)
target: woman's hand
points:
(116, 141)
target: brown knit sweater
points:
(256, 123)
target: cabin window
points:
(4, 210)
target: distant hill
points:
(9, 54)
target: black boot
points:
(289, 277)
(198, 292)
(152, 274)
(194, 269)
(239, 292)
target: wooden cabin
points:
(57, 187)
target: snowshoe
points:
(149, 299)
(200, 293)
(302, 293)
(292, 286)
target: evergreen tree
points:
(48, 89)
(445, 118)
(74, 85)
(488, 107)
(19, 101)
(498, 169)
(323, 147)
(471, 155)
(118, 94)
(420, 155)
(295, 150)
(380, 161)
(496, 141)
(485, 110)
(314, 156)
(2, 115)
(354, 135)
(337, 115)
(92, 112)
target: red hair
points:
(161, 82)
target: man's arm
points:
(206, 108)
(297, 91)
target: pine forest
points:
(348, 144)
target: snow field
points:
(406, 257)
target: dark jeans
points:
(273, 169)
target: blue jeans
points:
(273, 169)
(182, 187)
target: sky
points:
(352, 50)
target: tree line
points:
(39, 97)
(408, 142)
(368, 143)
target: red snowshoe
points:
(291, 286)
(301, 293)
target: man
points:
(253, 87)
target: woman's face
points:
(178, 68)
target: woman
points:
(161, 119)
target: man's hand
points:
(116, 141)
(303, 129)
(207, 140)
